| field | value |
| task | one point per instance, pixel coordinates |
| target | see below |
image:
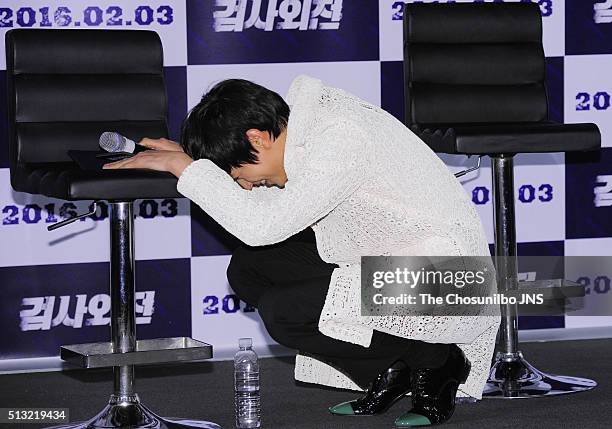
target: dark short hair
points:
(216, 127)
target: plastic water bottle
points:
(246, 386)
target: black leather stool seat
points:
(509, 138)
(65, 88)
(476, 85)
(67, 181)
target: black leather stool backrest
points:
(474, 63)
(67, 90)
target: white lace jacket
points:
(368, 186)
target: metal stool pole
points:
(122, 285)
(124, 409)
(505, 247)
(512, 376)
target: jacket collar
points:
(303, 99)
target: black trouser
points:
(287, 282)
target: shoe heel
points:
(464, 375)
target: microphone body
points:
(112, 141)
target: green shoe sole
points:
(345, 408)
(412, 419)
(342, 409)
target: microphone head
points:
(111, 141)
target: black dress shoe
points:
(434, 391)
(388, 387)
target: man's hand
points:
(161, 160)
(161, 144)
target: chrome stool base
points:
(517, 378)
(127, 412)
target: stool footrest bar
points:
(157, 350)
(553, 288)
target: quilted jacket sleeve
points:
(334, 168)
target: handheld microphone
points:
(112, 141)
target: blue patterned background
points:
(182, 253)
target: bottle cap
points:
(245, 343)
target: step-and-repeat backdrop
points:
(54, 285)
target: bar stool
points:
(66, 87)
(474, 85)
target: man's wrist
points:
(180, 164)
